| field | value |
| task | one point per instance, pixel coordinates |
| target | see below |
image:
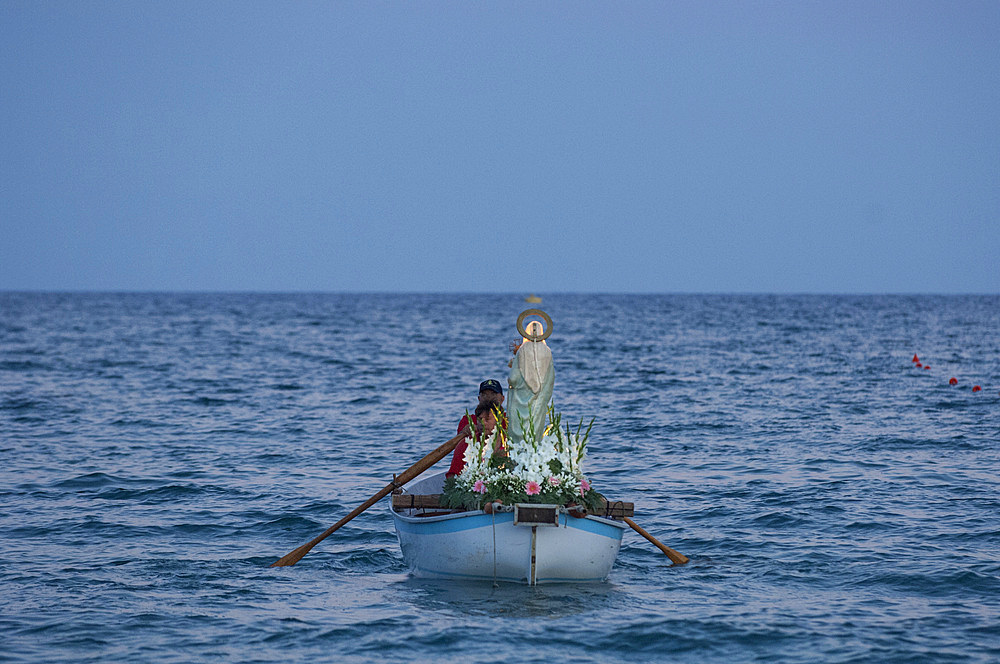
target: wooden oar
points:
(295, 556)
(677, 558)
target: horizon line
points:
(117, 291)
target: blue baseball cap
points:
(493, 385)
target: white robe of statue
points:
(530, 387)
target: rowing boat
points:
(529, 544)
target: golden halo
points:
(534, 337)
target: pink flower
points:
(553, 481)
(584, 486)
(532, 488)
(479, 486)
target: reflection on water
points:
(466, 598)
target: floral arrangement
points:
(546, 470)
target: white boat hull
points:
(479, 546)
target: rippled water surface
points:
(158, 452)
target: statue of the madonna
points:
(530, 381)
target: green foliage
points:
(509, 489)
(593, 501)
(457, 498)
(555, 465)
(527, 431)
(501, 462)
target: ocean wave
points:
(833, 506)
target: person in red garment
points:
(484, 421)
(490, 400)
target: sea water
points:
(158, 451)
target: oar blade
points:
(295, 556)
(290, 559)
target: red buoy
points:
(976, 388)
(919, 365)
(953, 381)
(927, 366)
(915, 358)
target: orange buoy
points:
(953, 381)
(976, 388)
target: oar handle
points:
(675, 557)
(413, 471)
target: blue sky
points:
(844, 147)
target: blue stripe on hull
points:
(614, 531)
(449, 524)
